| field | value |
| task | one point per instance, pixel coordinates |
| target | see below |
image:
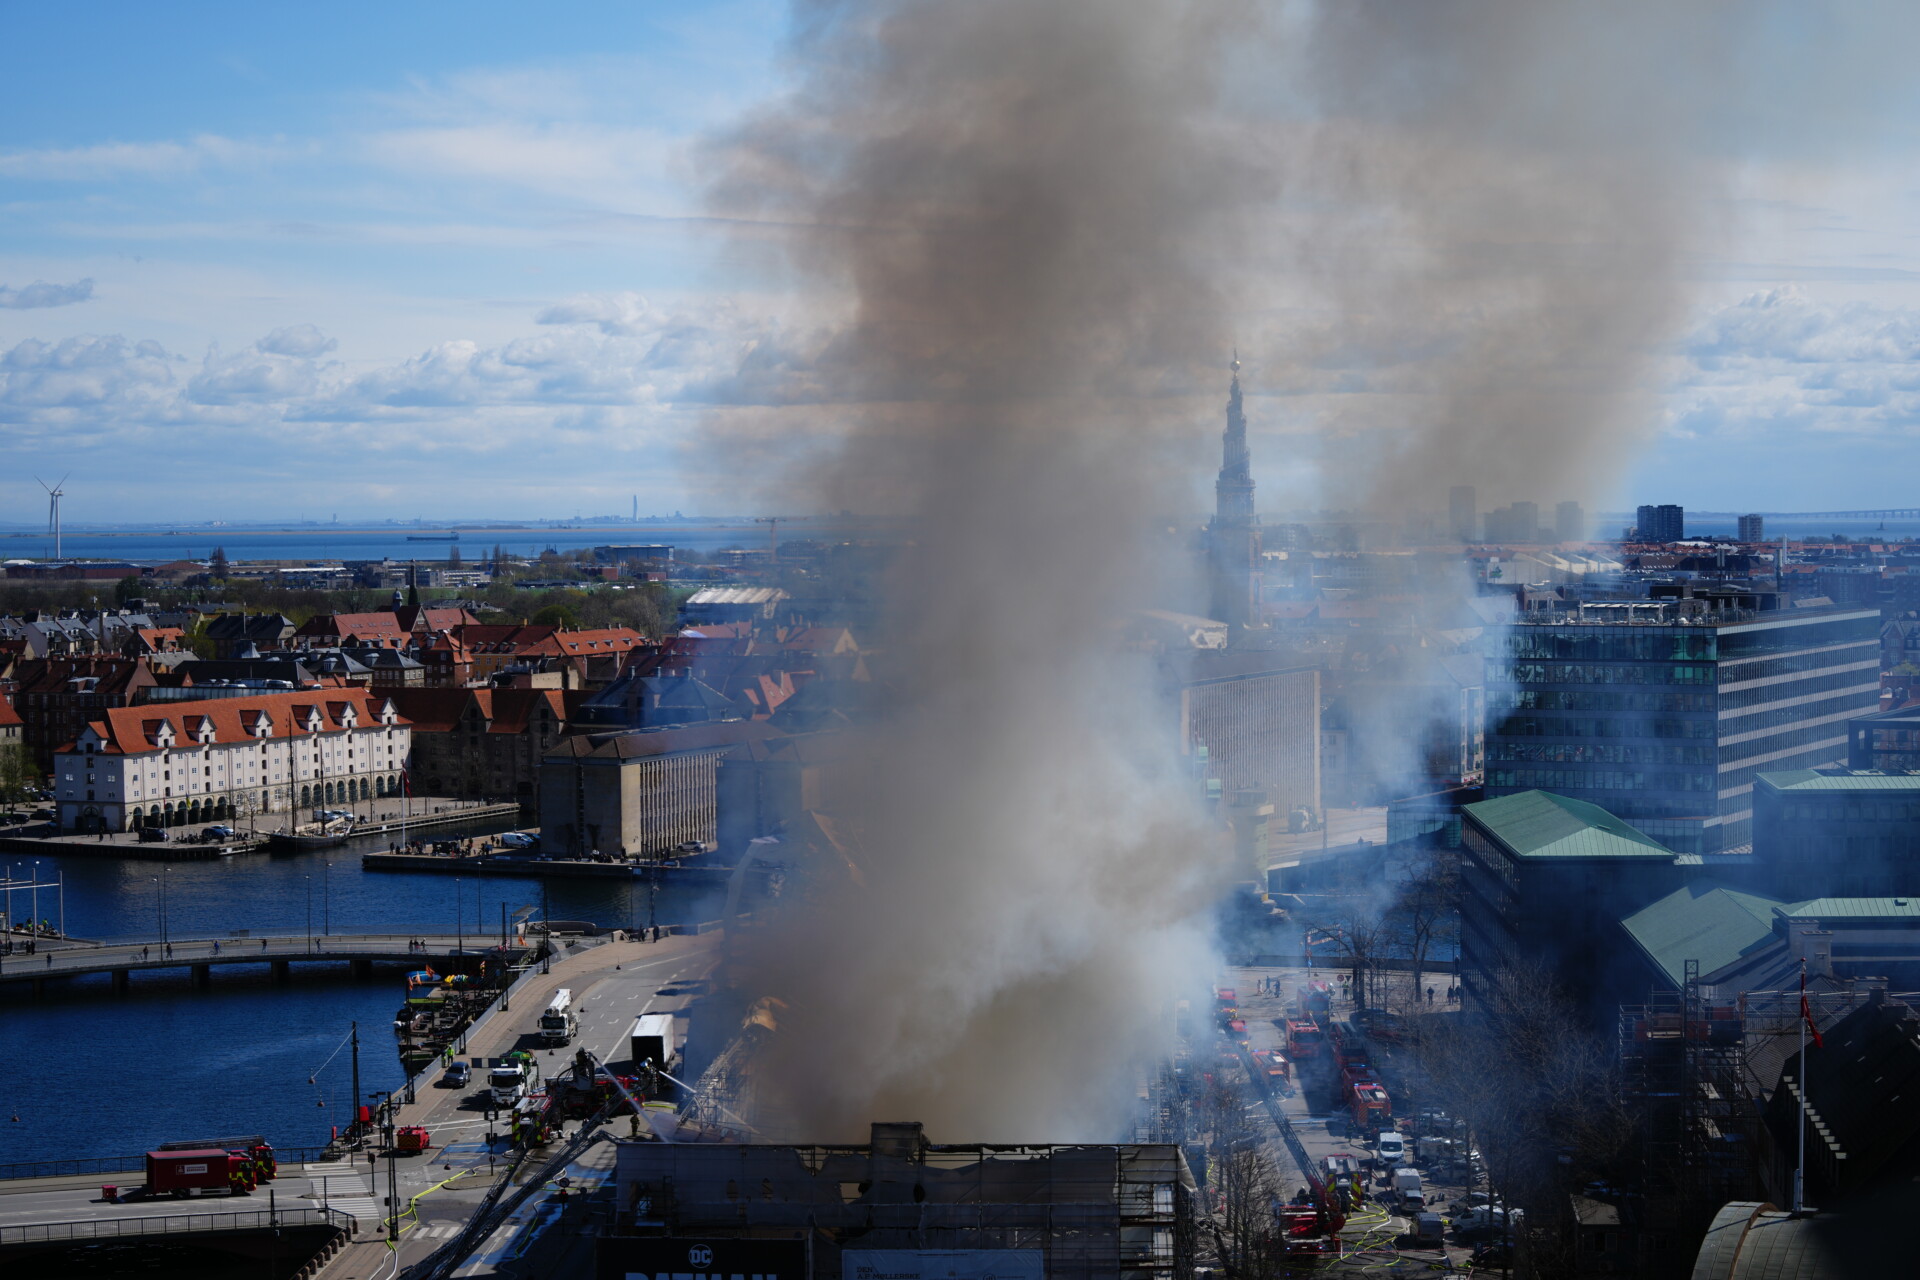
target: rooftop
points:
(1539, 824)
(1716, 926)
(1808, 780)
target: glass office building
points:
(1663, 711)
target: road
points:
(612, 984)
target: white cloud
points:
(128, 159)
(42, 294)
(1781, 363)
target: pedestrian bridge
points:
(199, 956)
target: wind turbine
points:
(54, 495)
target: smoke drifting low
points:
(1031, 209)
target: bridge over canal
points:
(199, 956)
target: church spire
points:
(1233, 535)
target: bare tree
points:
(1428, 911)
(1243, 1226)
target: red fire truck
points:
(183, 1173)
(1304, 1039)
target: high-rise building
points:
(1463, 516)
(1664, 523)
(1753, 529)
(1233, 536)
(1518, 522)
(1663, 711)
(1570, 522)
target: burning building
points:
(903, 1207)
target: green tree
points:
(217, 564)
(557, 615)
(128, 588)
(17, 774)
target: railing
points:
(88, 1166)
(173, 1224)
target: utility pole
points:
(355, 1037)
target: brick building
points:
(637, 794)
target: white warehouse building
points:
(177, 764)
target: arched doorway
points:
(306, 797)
(134, 819)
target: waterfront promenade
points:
(613, 982)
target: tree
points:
(557, 615)
(1245, 1233)
(128, 588)
(1428, 911)
(17, 774)
(453, 556)
(217, 564)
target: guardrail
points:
(174, 1224)
(87, 1166)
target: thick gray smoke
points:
(1033, 229)
(1032, 210)
(1513, 201)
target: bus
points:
(557, 1024)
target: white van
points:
(1392, 1149)
(1408, 1192)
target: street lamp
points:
(309, 880)
(326, 897)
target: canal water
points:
(86, 1073)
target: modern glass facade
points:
(1664, 718)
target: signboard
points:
(942, 1264)
(681, 1258)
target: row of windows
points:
(1734, 699)
(1539, 726)
(1614, 644)
(1856, 703)
(1601, 753)
(1810, 636)
(1605, 673)
(1846, 810)
(1501, 702)
(1868, 654)
(1599, 780)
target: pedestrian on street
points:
(143, 953)
(263, 944)
(49, 962)
(1429, 995)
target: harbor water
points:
(92, 1074)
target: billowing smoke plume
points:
(1032, 209)
(1033, 230)
(1512, 202)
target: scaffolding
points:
(1683, 1076)
(1091, 1211)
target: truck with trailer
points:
(559, 1024)
(651, 1041)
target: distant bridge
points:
(1883, 513)
(279, 952)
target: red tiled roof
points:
(132, 730)
(8, 716)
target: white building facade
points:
(231, 759)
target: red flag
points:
(1806, 1011)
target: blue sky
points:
(444, 260)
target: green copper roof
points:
(1702, 922)
(1539, 824)
(1854, 908)
(1840, 780)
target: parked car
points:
(1391, 1149)
(153, 835)
(219, 831)
(1469, 1202)
(1429, 1232)
(457, 1076)
(519, 840)
(1480, 1224)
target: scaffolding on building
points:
(1092, 1211)
(1683, 1078)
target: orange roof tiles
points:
(135, 730)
